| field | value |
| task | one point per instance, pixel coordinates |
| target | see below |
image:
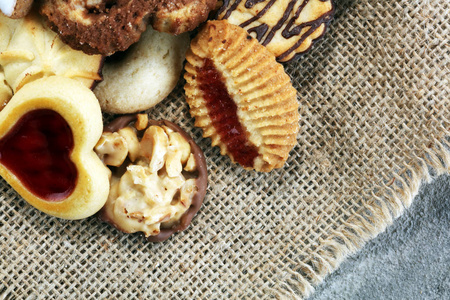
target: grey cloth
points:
(410, 260)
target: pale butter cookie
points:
(145, 75)
(29, 50)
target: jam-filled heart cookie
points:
(47, 134)
(288, 28)
(159, 176)
(241, 97)
(30, 50)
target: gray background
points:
(410, 260)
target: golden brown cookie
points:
(241, 97)
(15, 9)
(287, 28)
(176, 17)
(98, 26)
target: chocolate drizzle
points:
(260, 31)
(232, 8)
(280, 23)
(251, 3)
(287, 22)
(259, 15)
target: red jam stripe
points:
(223, 112)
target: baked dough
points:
(159, 177)
(181, 16)
(287, 28)
(30, 50)
(241, 97)
(98, 26)
(77, 105)
(15, 9)
(145, 75)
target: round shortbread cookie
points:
(146, 74)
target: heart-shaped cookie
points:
(47, 134)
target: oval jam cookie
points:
(241, 97)
(47, 134)
(288, 28)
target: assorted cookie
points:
(176, 17)
(47, 134)
(99, 26)
(144, 75)
(241, 97)
(143, 175)
(30, 50)
(105, 27)
(159, 176)
(288, 28)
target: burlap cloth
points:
(375, 124)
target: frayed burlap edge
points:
(373, 219)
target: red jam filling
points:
(223, 113)
(37, 150)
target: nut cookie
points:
(159, 176)
(241, 97)
(30, 50)
(288, 28)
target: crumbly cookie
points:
(105, 27)
(15, 9)
(181, 16)
(98, 26)
(288, 28)
(30, 50)
(241, 97)
(47, 134)
(144, 75)
(159, 177)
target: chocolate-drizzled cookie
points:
(288, 28)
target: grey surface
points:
(410, 260)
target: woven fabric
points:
(375, 110)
